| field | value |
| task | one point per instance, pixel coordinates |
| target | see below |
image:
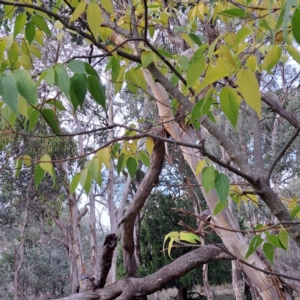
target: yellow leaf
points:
(187, 39)
(107, 5)
(22, 107)
(252, 63)
(39, 35)
(94, 18)
(59, 25)
(149, 145)
(200, 165)
(293, 52)
(272, 58)
(104, 156)
(253, 199)
(46, 165)
(60, 36)
(78, 11)
(105, 32)
(249, 88)
(227, 54)
(214, 73)
(110, 48)
(230, 39)
(27, 160)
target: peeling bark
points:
(235, 242)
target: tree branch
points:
(129, 288)
(275, 106)
(282, 152)
(138, 201)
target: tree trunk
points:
(19, 251)
(93, 238)
(235, 242)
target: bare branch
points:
(282, 152)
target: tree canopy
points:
(97, 96)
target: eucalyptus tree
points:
(197, 62)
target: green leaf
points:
(131, 165)
(197, 110)
(73, 99)
(30, 32)
(97, 91)
(9, 91)
(18, 166)
(120, 79)
(147, 58)
(295, 211)
(121, 163)
(269, 251)
(249, 88)
(90, 70)
(296, 25)
(57, 104)
(79, 85)
(222, 187)
(62, 79)
(26, 86)
(143, 156)
(230, 102)
(94, 167)
(256, 241)
(195, 68)
(86, 180)
(284, 239)
(77, 66)
(50, 117)
(272, 58)
(74, 182)
(208, 178)
(13, 52)
(195, 39)
(38, 175)
(94, 18)
(41, 24)
(50, 76)
(46, 165)
(165, 53)
(233, 13)
(189, 237)
(218, 208)
(274, 240)
(33, 118)
(2, 47)
(286, 18)
(184, 62)
(19, 23)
